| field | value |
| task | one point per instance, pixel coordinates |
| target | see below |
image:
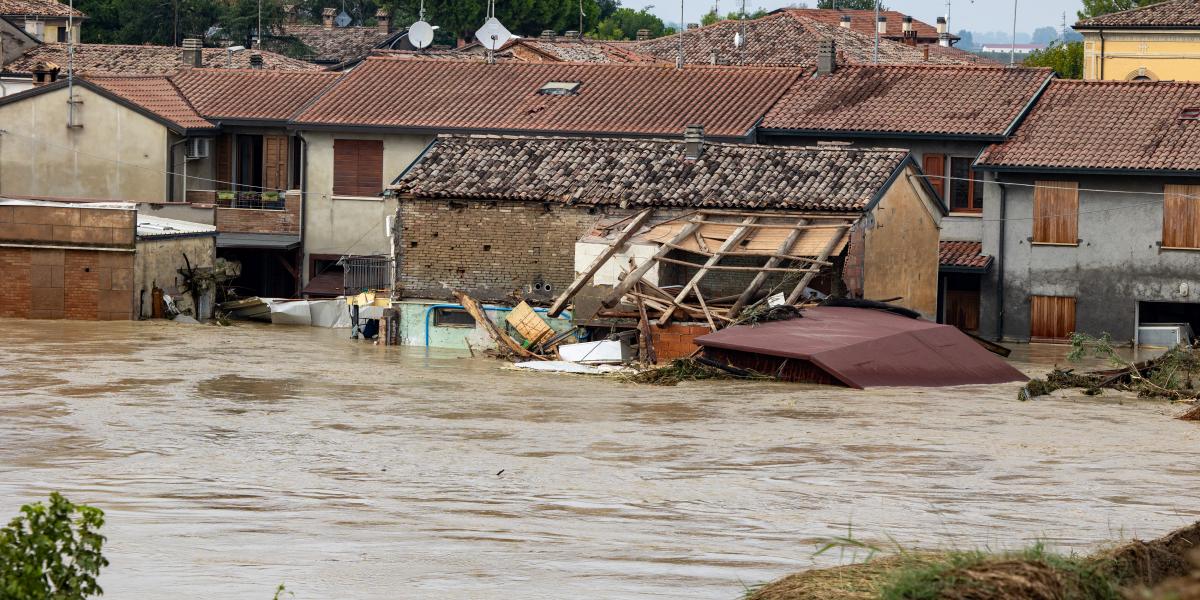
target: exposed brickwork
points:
(675, 340)
(15, 292)
(488, 249)
(248, 220)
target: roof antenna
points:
(420, 34)
(679, 59)
(581, 19)
(875, 56)
(739, 39)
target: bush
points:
(52, 552)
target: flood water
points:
(229, 460)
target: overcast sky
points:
(980, 15)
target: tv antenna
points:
(342, 19)
(420, 34)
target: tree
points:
(850, 4)
(712, 17)
(50, 553)
(624, 24)
(1065, 59)
(1044, 35)
(966, 39)
(1095, 8)
(460, 18)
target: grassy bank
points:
(1161, 569)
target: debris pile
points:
(1172, 376)
(691, 369)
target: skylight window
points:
(559, 88)
(1192, 113)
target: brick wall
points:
(675, 340)
(251, 220)
(488, 249)
(66, 284)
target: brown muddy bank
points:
(232, 459)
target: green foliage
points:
(624, 23)
(850, 4)
(712, 17)
(978, 574)
(52, 552)
(460, 18)
(1065, 59)
(1095, 8)
(146, 21)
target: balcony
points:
(252, 200)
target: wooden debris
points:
(503, 340)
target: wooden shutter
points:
(1051, 317)
(357, 167)
(275, 162)
(934, 166)
(223, 162)
(1181, 216)
(1056, 212)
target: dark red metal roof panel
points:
(871, 348)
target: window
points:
(1051, 317)
(357, 167)
(62, 35)
(965, 195)
(934, 166)
(249, 160)
(1181, 216)
(560, 88)
(1056, 212)
(452, 317)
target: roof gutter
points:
(412, 164)
(434, 131)
(1029, 106)
(1086, 171)
(908, 135)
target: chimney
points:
(693, 142)
(881, 26)
(327, 17)
(193, 55)
(643, 35)
(383, 21)
(549, 35)
(943, 32)
(256, 61)
(289, 14)
(44, 72)
(693, 26)
(910, 34)
(571, 33)
(826, 57)
(713, 56)
(907, 24)
(845, 22)
(925, 49)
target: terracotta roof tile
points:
(35, 8)
(785, 38)
(121, 59)
(926, 99)
(1106, 125)
(1172, 13)
(337, 44)
(573, 50)
(963, 255)
(251, 94)
(156, 95)
(617, 99)
(863, 21)
(631, 172)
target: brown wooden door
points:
(934, 166)
(1051, 318)
(962, 309)
(1056, 212)
(1181, 216)
(275, 162)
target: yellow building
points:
(1152, 43)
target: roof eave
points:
(396, 129)
(860, 134)
(1085, 170)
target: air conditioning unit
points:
(196, 147)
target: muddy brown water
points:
(229, 460)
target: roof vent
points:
(643, 35)
(693, 26)
(327, 16)
(559, 88)
(383, 20)
(1191, 113)
(193, 56)
(256, 61)
(571, 33)
(549, 34)
(693, 142)
(826, 57)
(845, 21)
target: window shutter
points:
(934, 166)
(1056, 212)
(275, 153)
(1051, 317)
(357, 167)
(1181, 216)
(223, 160)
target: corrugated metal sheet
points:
(159, 227)
(866, 348)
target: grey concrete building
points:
(1092, 212)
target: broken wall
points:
(158, 262)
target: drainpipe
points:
(1000, 263)
(1101, 77)
(303, 204)
(171, 174)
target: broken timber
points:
(477, 312)
(561, 302)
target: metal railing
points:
(252, 200)
(364, 273)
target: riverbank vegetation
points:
(52, 551)
(1161, 569)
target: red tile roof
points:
(863, 21)
(36, 8)
(632, 172)
(335, 44)
(613, 99)
(251, 94)
(1106, 125)
(785, 38)
(572, 50)
(967, 255)
(926, 99)
(156, 95)
(122, 59)
(1169, 14)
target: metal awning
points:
(266, 241)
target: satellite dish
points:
(342, 19)
(493, 35)
(420, 34)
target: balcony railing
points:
(365, 273)
(252, 200)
